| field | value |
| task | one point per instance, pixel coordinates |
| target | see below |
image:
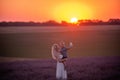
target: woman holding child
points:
(59, 53)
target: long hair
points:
(54, 52)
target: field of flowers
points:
(82, 68)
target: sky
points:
(58, 10)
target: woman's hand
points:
(62, 60)
(59, 60)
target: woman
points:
(61, 73)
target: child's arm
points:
(70, 45)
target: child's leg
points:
(64, 63)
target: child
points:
(64, 50)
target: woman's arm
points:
(62, 60)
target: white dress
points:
(61, 73)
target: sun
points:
(74, 20)
(68, 10)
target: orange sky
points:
(43, 10)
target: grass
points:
(38, 45)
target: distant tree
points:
(50, 23)
(114, 21)
(64, 23)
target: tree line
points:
(63, 23)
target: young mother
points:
(61, 73)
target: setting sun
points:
(68, 10)
(74, 20)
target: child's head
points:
(62, 44)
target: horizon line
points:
(55, 20)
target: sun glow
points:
(74, 20)
(65, 11)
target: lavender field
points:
(82, 68)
